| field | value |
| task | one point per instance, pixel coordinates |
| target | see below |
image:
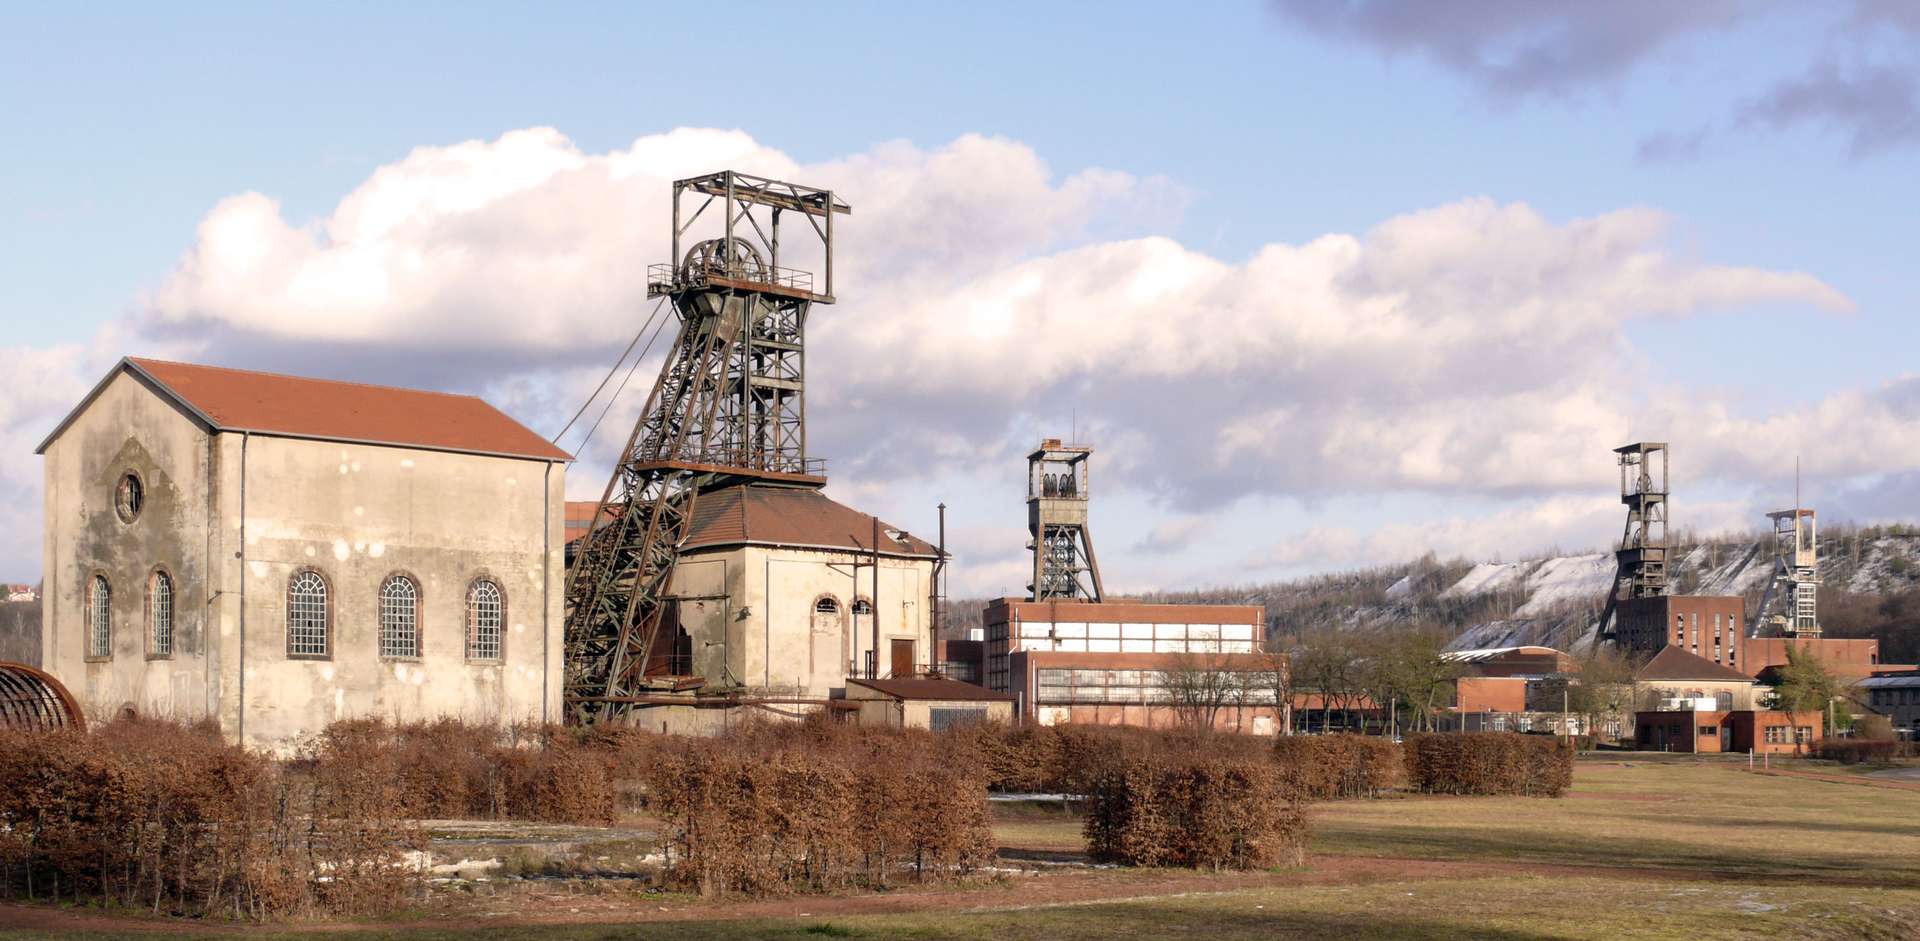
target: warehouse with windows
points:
(276, 553)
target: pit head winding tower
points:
(1064, 567)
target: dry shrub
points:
(1489, 763)
(146, 813)
(1858, 751)
(1331, 767)
(361, 828)
(766, 810)
(1201, 801)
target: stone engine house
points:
(277, 553)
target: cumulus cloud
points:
(1470, 348)
(1520, 47)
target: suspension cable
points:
(615, 397)
(616, 368)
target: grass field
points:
(1659, 848)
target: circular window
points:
(129, 497)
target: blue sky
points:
(126, 126)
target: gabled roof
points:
(1674, 663)
(797, 517)
(239, 400)
(936, 688)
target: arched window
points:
(826, 605)
(862, 606)
(399, 617)
(307, 621)
(99, 618)
(160, 614)
(486, 620)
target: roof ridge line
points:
(144, 360)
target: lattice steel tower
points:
(1063, 563)
(1641, 561)
(1795, 585)
(729, 406)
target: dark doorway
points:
(902, 658)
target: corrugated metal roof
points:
(294, 406)
(762, 514)
(1673, 663)
(932, 687)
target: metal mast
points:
(1063, 562)
(1641, 561)
(729, 406)
(1795, 585)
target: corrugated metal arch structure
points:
(31, 699)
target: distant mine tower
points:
(1063, 564)
(1641, 561)
(728, 408)
(1794, 588)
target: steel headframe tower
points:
(1641, 561)
(1795, 584)
(1063, 564)
(729, 406)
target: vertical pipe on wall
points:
(546, 587)
(937, 630)
(240, 705)
(873, 603)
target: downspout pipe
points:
(241, 694)
(546, 591)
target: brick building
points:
(1895, 695)
(1761, 731)
(1121, 662)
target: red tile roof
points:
(293, 406)
(759, 514)
(1673, 663)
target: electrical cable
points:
(615, 397)
(616, 368)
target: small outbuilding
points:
(926, 702)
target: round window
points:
(129, 497)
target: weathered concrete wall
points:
(231, 518)
(129, 428)
(358, 514)
(766, 633)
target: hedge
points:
(1329, 767)
(1489, 763)
(1186, 804)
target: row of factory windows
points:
(310, 617)
(1136, 686)
(1680, 637)
(1895, 697)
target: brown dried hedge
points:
(1489, 763)
(1332, 767)
(1860, 751)
(770, 810)
(169, 817)
(1209, 801)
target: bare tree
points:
(1327, 663)
(1199, 686)
(1271, 678)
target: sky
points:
(1326, 284)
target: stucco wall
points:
(128, 428)
(358, 514)
(766, 632)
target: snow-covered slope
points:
(1556, 601)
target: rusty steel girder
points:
(33, 699)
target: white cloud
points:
(1465, 348)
